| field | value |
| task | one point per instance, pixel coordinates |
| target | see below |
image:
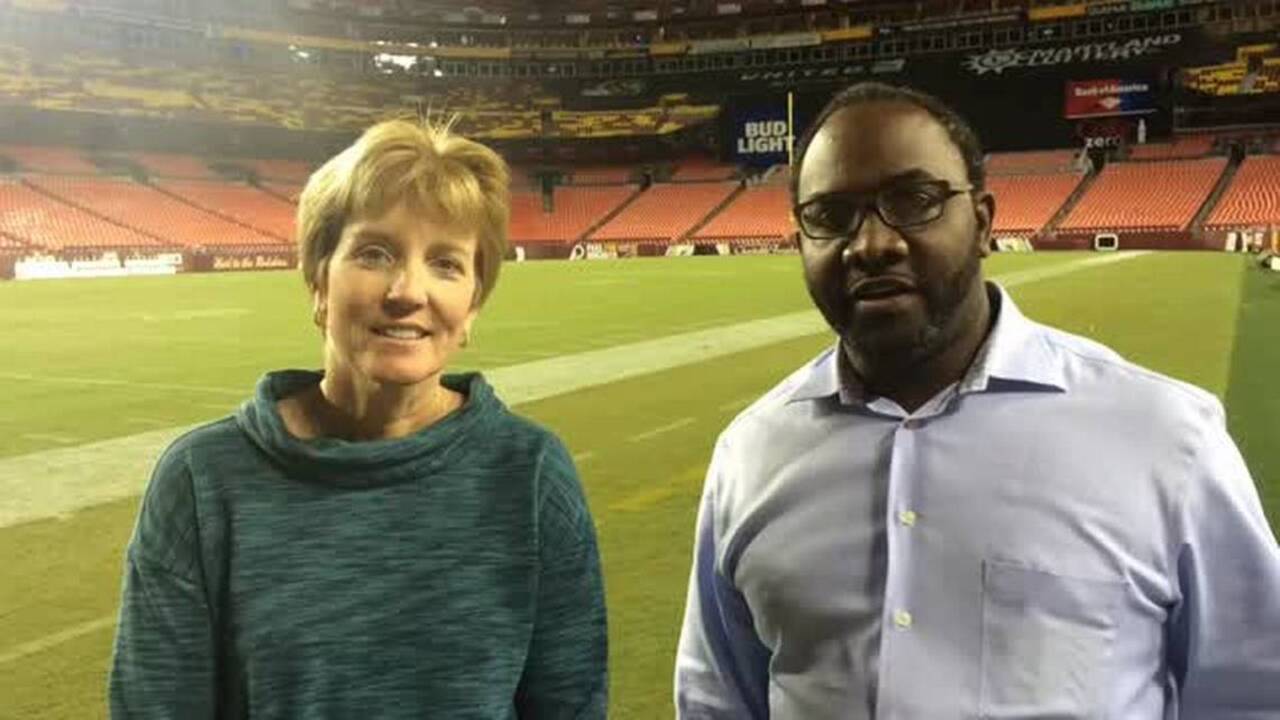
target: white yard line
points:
(737, 404)
(50, 437)
(663, 430)
(54, 639)
(110, 382)
(148, 421)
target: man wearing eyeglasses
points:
(956, 512)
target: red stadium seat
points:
(283, 190)
(1183, 146)
(244, 204)
(1026, 203)
(665, 212)
(576, 210)
(9, 243)
(153, 212)
(701, 169)
(762, 212)
(292, 171)
(1254, 196)
(602, 174)
(50, 159)
(169, 165)
(39, 220)
(1033, 161)
(1148, 195)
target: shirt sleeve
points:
(722, 667)
(163, 661)
(1225, 631)
(566, 670)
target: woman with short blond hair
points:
(380, 539)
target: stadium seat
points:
(576, 210)
(42, 221)
(284, 191)
(1121, 197)
(1253, 198)
(244, 204)
(601, 174)
(169, 165)
(703, 169)
(153, 212)
(1034, 161)
(665, 212)
(1185, 146)
(49, 159)
(757, 213)
(287, 171)
(1026, 203)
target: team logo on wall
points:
(998, 60)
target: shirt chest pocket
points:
(1046, 641)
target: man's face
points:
(891, 293)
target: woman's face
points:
(397, 298)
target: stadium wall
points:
(1129, 240)
(1014, 97)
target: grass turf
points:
(1178, 313)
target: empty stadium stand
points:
(1183, 146)
(761, 213)
(1121, 197)
(576, 210)
(601, 174)
(289, 171)
(169, 165)
(284, 191)
(150, 211)
(1026, 203)
(49, 159)
(249, 206)
(703, 169)
(1032, 161)
(1255, 70)
(35, 218)
(665, 212)
(1253, 199)
(101, 83)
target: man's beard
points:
(942, 303)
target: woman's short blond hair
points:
(446, 176)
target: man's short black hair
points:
(960, 132)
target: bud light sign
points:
(761, 140)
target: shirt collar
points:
(1014, 358)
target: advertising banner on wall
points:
(759, 135)
(1106, 98)
(998, 60)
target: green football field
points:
(92, 367)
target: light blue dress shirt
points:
(1060, 535)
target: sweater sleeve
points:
(565, 673)
(163, 661)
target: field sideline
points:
(636, 364)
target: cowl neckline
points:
(369, 462)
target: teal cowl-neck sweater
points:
(452, 573)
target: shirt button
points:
(912, 424)
(902, 619)
(907, 518)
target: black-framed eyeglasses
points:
(837, 215)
